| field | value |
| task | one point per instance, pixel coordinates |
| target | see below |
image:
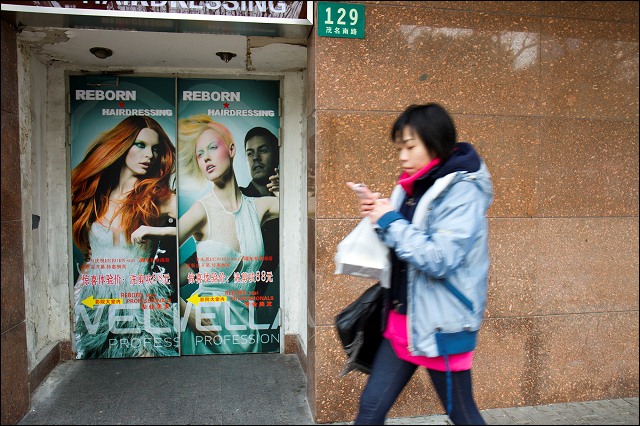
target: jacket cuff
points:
(388, 218)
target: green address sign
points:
(340, 20)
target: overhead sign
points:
(271, 18)
(340, 20)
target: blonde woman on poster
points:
(123, 210)
(225, 225)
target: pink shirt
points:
(396, 333)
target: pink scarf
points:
(407, 181)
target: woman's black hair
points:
(433, 124)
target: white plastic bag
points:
(363, 254)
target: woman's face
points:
(143, 153)
(214, 158)
(412, 153)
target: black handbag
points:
(359, 327)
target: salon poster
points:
(228, 226)
(124, 216)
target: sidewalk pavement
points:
(267, 389)
(607, 412)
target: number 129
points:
(342, 13)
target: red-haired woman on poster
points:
(123, 210)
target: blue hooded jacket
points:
(445, 249)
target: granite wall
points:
(15, 375)
(548, 94)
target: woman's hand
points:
(206, 322)
(193, 324)
(139, 235)
(144, 232)
(380, 208)
(365, 196)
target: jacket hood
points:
(464, 159)
(482, 178)
(465, 162)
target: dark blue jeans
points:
(389, 375)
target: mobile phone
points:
(362, 191)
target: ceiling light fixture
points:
(226, 56)
(101, 52)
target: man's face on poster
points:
(262, 159)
